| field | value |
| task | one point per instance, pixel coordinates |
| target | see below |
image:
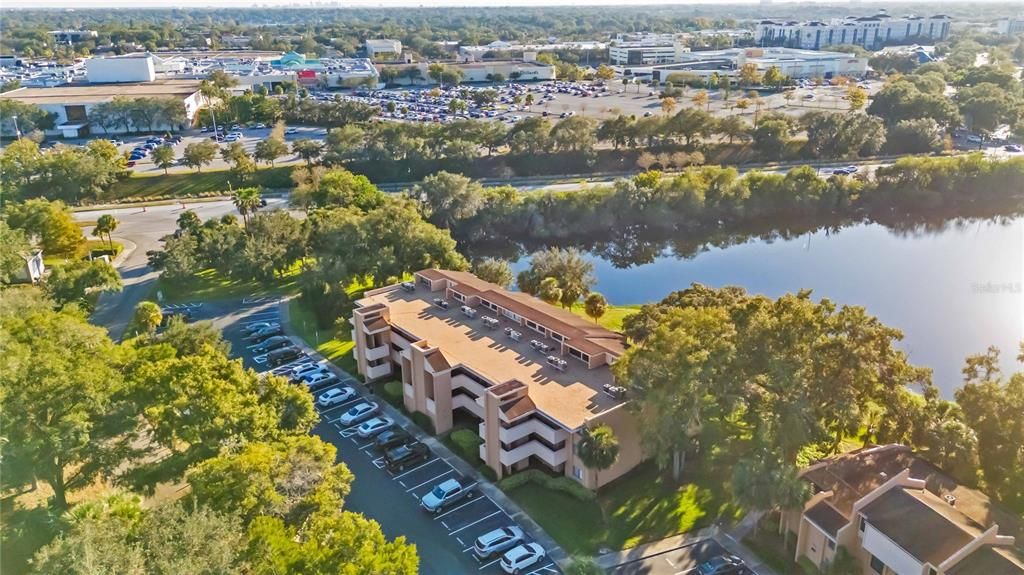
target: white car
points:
(359, 412)
(303, 369)
(335, 396)
(374, 426)
(291, 131)
(317, 379)
(520, 558)
(255, 327)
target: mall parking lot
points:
(444, 541)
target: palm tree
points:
(598, 448)
(105, 225)
(549, 292)
(247, 201)
(210, 92)
(148, 316)
(595, 305)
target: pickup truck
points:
(446, 494)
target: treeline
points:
(774, 384)
(265, 496)
(70, 174)
(139, 114)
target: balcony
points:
(532, 426)
(431, 408)
(483, 452)
(535, 448)
(467, 402)
(375, 371)
(379, 352)
(468, 384)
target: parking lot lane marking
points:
(368, 446)
(445, 524)
(486, 565)
(454, 509)
(544, 569)
(424, 464)
(429, 480)
(477, 521)
(669, 561)
(459, 539)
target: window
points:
(877, 566)
(860, 527)
(557, 337)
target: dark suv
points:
(392, 438)
(271, 344)
(283, 356)
(406, 456)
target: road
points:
(680, 561)
(141, 230)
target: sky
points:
(362, 3)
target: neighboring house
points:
(898, 514)
(529, 405)
(33, 269)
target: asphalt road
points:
(392, 499)
(141, 230)
(679, 561)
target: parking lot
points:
(444, 541)
(680, 561)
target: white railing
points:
(379, 352)
(537, 449)
(532, 426)
(468, 383)
(469, 403)
(431, 408)
(375, 371)
(483, 451)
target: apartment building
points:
(529, 375)
(871, 32)
(898, 514)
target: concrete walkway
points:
(555, 551)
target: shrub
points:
(489, 473)
(554, 483)
(422, 420)
(392, 393)
(467, 445)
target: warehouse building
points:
(871, 32)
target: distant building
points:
(72, 36)
(789, 61)
(70, 104)
(897, 514)
(484, 71)
(871, 32)
(115, 69)
(1010, 26)
(499, 46)
(377, 46)
(655, 51)
(234, 41)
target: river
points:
(952, 291)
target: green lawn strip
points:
(643, 506)
(771, 547)
(208, 285)
(612, 318)
(334, 344)
(192, 184)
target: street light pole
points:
(17, 132)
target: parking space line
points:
(543, 569)
(424, 464)
(454, 509)
(486, 565)
(477, 521)
(429, 480)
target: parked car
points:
(131, 163)
(260, 126)
(291, 131)
(175, 140)
(276, 342)
(392, 438)
(265, 333)
(255, 327)
(316, 381)
(1015, 148)
(445, 494)
(116, 142)
(372, 427)
(358, 413)
(722, 565)
(521, 558)
(283, 355)
(497, 541)
(407, 455)
(851, 169)
(335, 396)
(299, 371)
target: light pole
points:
(17, 132)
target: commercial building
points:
(377, 46)
(72, 36)
(872, 32)
(646, 52)
(1010, 26)
(71, 104)
(115, 69)
(790, 62)
(500, 47)
(530, 376)
(897, 514)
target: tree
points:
(604, 73)
(856, 96)
(71, 282)
(761, 483)
(148, 317)
(198, 154)
(581, 565)
(188, 221)
(163, 157)
(598, 448)
(773, 77)
(733, 128)
(701, 99)
(668, 105)
(12, 245)
(772, 135)
(749, 75)
(595, 305)
(548, 291)
(67, 420)
(339, 187)
(494, 271)
(573, 275)
(270, 149)
(290, 479)
(987, 106)
(247, 201)
(308, 150)
(105, 225)
(918, 136)
(574, 134)
(50, 222)
(446, 198)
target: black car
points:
(406, 456)
(265, 333)
(723, 565)
(283, 356)
(278, 341)
(392, 438)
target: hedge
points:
(423, 420)
(467, 445)
(392, 393)
(559, 483)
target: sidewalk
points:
(555, 551)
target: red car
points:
(131, 164)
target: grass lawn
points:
(612, 318)
(771, 547)
(335, 345)
(643, 506)
(208, 285)
(192, 184)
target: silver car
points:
(498, 541)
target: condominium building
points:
(531, 377)
(871, 32)
(897, 514)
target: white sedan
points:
(335, 396)
(374, 426)
(520, 558)
(358, 413)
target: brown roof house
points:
(897, 514)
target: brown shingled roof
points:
(519, 407)
(377, 324)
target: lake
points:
(953, 292)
